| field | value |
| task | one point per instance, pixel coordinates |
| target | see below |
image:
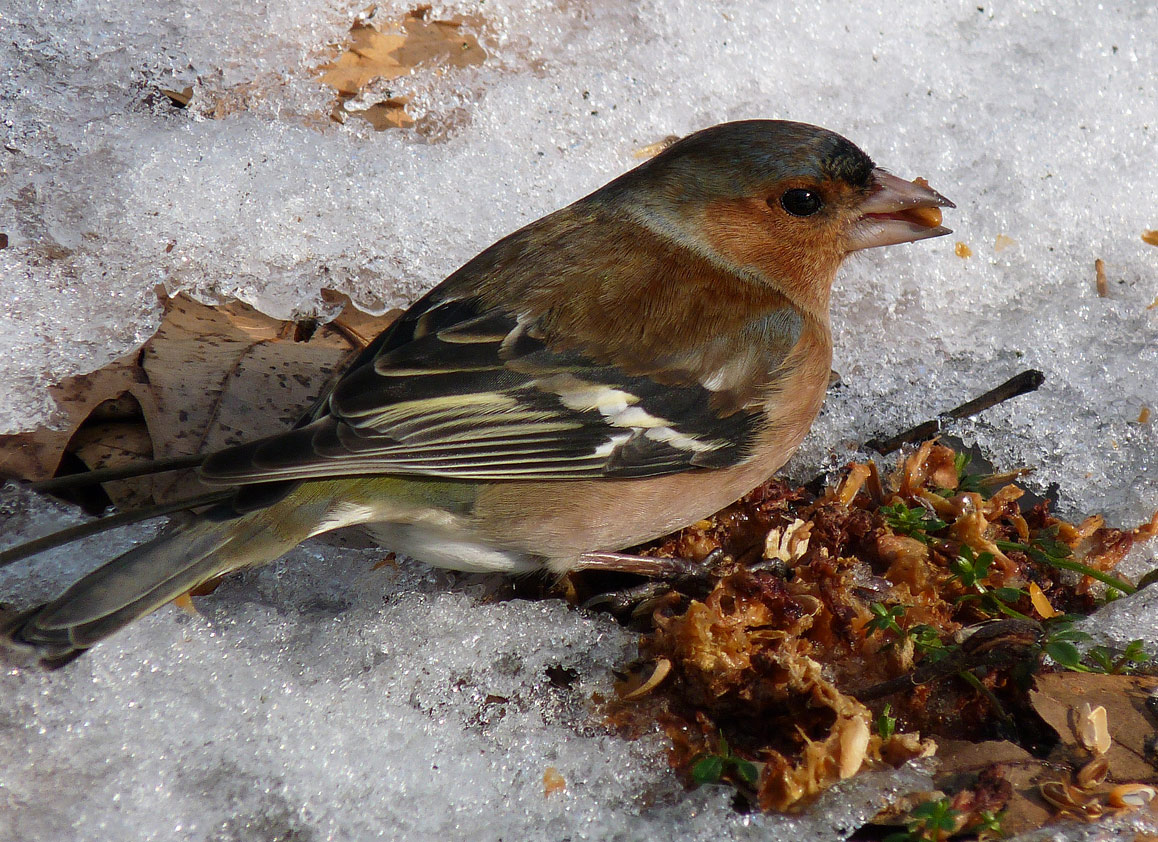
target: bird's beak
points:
(897, 211)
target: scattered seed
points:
(929, 217)
(854, 740)
(662, 668)
(1132, 795)
(1094, 729)
(790, 544)
(1063, 795)
(1093, 773)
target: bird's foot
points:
(667, 575)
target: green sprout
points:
(1046, 549)
(1104, 660)
(1059, 643)
(927, 643)
(926, 639)
(972, 569)
(988, 825)
(916, 522)
(931, 821)
(711, 768)
(885, 619)
(966, 481)
(886, 723)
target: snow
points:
(321, 698)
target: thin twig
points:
(1027, 381)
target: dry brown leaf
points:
(37, 455)
(210, 377)
(369, 56)
(962, 765)
(390, 114)
(393, 49)
(179, 98)
(962, 757)
(103, 444)
(1059, 698)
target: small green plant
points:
(1045, 548)
(885, 619)
(971, 569)
(972, 483)
(886, 723)
(988, 825)
(927, 643)
(916, 522)
(967, 482)
(1104, 660)
(926, 639)
(928, 822)
(1059, 643)
(711, 768)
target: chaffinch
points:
(614, 371)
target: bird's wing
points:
(459, 392)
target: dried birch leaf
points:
(1059, 697)
(209, 377)
(998, 768)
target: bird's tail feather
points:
(142, 580)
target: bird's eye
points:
(801, 202)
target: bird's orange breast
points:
(605, 514)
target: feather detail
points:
(478, 396)
(566, 351)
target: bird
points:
(620, 368)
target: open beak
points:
(898, 211)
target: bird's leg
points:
(654, 568)
(666, 574)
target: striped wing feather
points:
(453, 392)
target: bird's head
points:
(784, 202)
